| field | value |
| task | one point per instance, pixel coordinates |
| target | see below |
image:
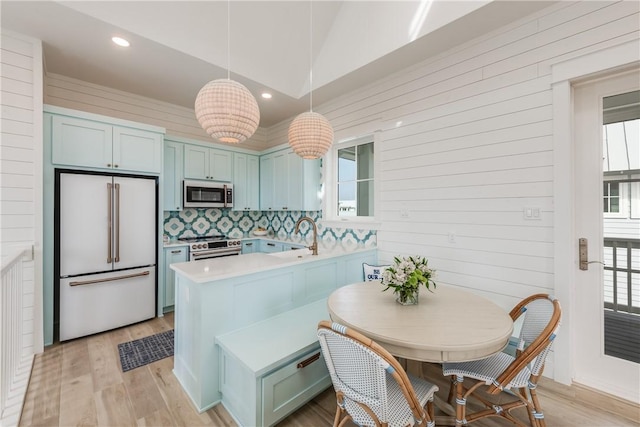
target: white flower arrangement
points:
(406, 276)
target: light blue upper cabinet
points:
(173, 175)
(246, 182)
(78, 142)
(287, 182)
(266, 183)
(137, 150)
(207, 163)
(281, 181)
(98, 145)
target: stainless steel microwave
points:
(207, 194)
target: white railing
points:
(15, 362)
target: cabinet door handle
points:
(248, 244)
(308, 361)
(179, 251)
(271, 244)
(108, 165)
(115, 166)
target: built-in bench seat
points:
(270, 368)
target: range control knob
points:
(194, 246)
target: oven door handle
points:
(207, 254)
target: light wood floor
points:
(80, 383)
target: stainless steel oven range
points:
(213, 246)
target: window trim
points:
(329, 207)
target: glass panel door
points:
(621, 225)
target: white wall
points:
(21, 171)
(475, 148)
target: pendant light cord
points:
(311, 55)
(228, 39)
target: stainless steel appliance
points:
(106, 250)
(206, 194)
(212, 246)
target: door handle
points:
(583, 254)
(117, 236)
(108, 279)
(109, 222)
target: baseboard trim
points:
(590, 396)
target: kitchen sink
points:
(293, 254)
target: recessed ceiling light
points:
(266, 95)
(120, 41)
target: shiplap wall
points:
(21, 171)
(475, 148)
(178, 121)
(21, 205)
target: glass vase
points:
(407, 298)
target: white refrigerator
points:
(106, 242)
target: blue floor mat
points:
(143, 351)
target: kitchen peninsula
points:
(220, 295)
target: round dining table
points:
(447, 325)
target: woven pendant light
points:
(226, 109)
(310, 134)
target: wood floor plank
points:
(159, 418)
(180, 407)
(75, 360)
(105, 366)
(220, 417)
(42, 401)
(113, 407)
(77, 404)
(143, 392)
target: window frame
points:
(330, 200)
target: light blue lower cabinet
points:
(250, 246)
(267, 246)
(265, 374)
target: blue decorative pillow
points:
(373, 272)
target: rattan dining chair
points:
(371, 387)
(509, 377)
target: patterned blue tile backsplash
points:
(281, 224)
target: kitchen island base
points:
(210, 306)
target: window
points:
(355, 183)
(611, 194)
(350, 192)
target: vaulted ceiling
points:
(178, 46)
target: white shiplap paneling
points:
(475, 148)
(21, 197)
(178, 121)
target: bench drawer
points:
(292, 385)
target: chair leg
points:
(460, 402)
(539, 417)
(452, 390)
(431, 410)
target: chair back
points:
(540, 325)
(360, 371)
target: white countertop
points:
(208, 270)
